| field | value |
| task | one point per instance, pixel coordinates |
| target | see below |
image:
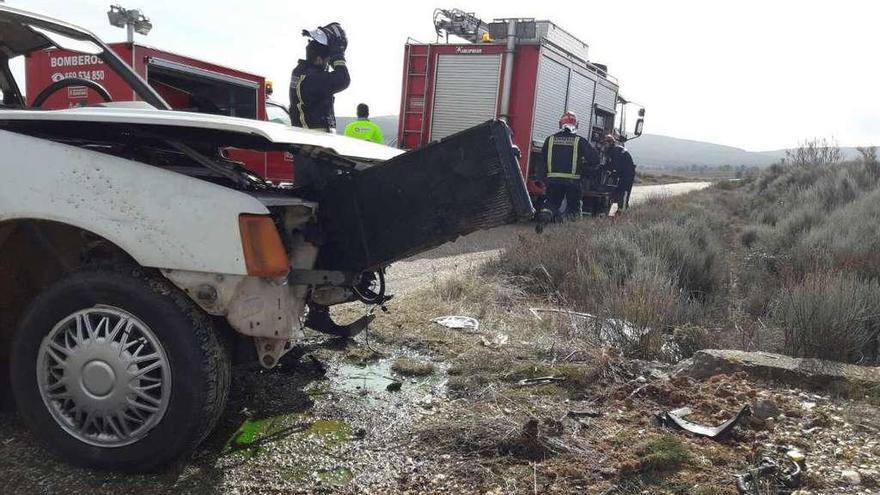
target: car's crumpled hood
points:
(270, 131)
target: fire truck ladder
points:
(416, 88)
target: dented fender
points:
(256, 307)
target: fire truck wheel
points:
(117, 369)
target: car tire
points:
(139, 410)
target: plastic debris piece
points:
(458, 322)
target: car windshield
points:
(277, 113)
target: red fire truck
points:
(525, 71)
(184, 82)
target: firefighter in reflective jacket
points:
(312, 85)
(312, 90)
(567, 158)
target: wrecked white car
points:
(137, 261)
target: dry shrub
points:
(749, 237)
(643, 274)
(641, 311)
(814, 153)
(848, 239)
(797, 223)
(829, 316)
(692, 252)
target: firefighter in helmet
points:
(313, 83)
(567, 158)
(621, 163)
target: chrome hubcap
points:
(104, 376)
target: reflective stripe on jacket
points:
(568, 168)
(311, 94)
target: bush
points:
(641, 311)
(748, 237)
(829, 316)
(848, 240)
(692, 253)
(728, 184)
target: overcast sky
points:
(754, 74)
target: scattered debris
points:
(496, 341)
(676, 419)
(394, 386)
(458, 322)
(750, 483)
(541, 380)
(586, 413)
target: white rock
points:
(851, 477)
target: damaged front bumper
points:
(269, 310)
(365, 220)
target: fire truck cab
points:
(185, 83)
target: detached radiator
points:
(419, 200)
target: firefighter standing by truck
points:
(567, 159)
(312, 88)
(621, 163)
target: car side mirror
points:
(639, 125)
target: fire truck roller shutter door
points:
(466, 92)
(550, 99)
(606, 95)
(580, 99)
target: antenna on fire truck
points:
(133, 20)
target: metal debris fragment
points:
(676, 419)
(768, 470)
(586, 413)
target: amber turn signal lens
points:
(264, 254)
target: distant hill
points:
(652, 150)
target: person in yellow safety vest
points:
(363, 127)
(567, 158)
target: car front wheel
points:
(115, 369)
